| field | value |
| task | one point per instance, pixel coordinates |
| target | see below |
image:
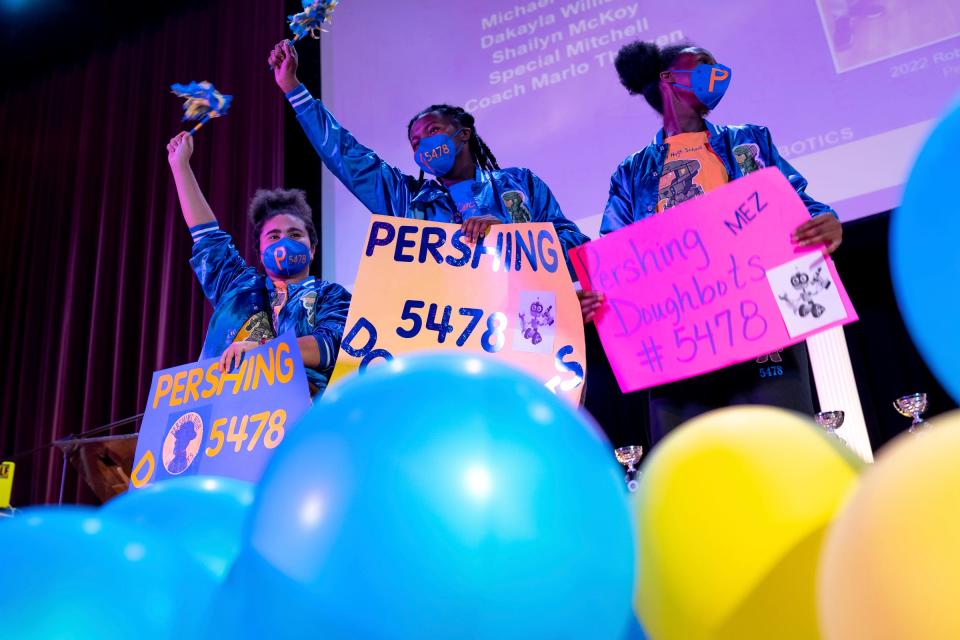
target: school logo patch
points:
(309, 302)
(748, 158)
(514, 203)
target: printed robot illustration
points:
(513, 201)
(806, 288)
(538, 318)
(748, 158)
(676, 183)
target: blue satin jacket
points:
(634, 186)
(242, 297)
(513, 194)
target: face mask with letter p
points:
(286, 257)
(708, 82)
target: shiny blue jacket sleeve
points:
(217, 262)
(815, 207)
(380, 187)
(619, 210)
(547, 209)
(331, 316)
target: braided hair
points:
(639, 65)
(479, 150)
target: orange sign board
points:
(422, 286)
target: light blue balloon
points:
(257, 602)
(203, 514)
(78, 574)
(443, 496)
(925, 253)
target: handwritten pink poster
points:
(710, 283)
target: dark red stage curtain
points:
(97, 291)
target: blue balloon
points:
(76, 573)
(203, 514)
(439, 496)
(924, 259)
(256, 601)
(634, 630)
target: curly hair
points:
(639, 65)
(268, 203)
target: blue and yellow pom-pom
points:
(310, 21)
(202, 103)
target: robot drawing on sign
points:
(806, 288)
(539, 317)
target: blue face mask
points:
(286, 257)
(436, 154)
(708, 82)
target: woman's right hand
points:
(232, 356)
(179, 150)
(283, 61)
(591, 303)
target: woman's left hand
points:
(477, 226)
(232, 356)
(824, 229)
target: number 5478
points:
(492, 340)
(269, 425)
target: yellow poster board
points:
(422, 286)
(6, 483)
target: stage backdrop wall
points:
(848, 89)
(97, 291)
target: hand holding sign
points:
(591, 302)
(478, 226)
(713, 282)
(201, 417)
(823, 230)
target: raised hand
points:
(283, 61)
(179, 149)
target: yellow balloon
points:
(733, 507)
(891, 563)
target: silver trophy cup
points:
(913, 406)
(830, 421)
(628, 457)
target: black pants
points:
(781, 379)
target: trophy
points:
(830, 421)
(913, 406)
(628, 457)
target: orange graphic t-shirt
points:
(691, 169)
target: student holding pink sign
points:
(688, 157)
